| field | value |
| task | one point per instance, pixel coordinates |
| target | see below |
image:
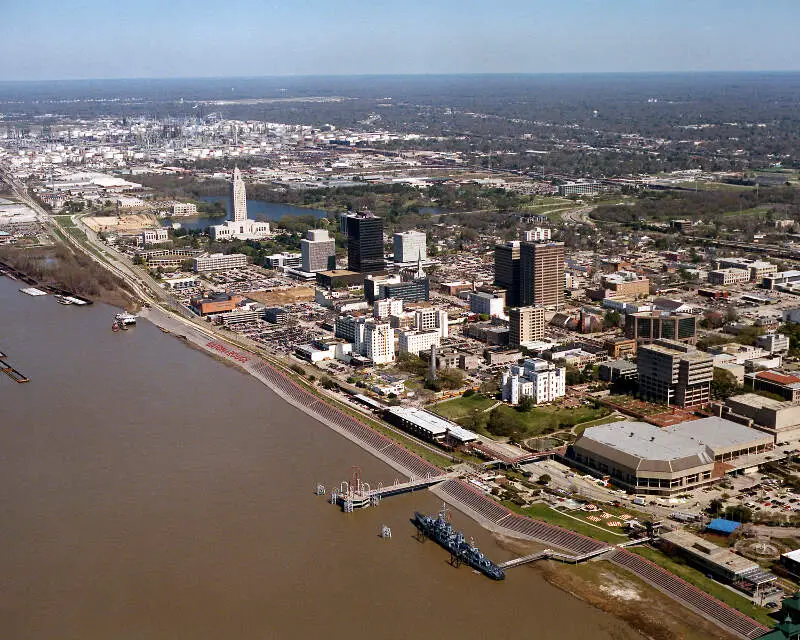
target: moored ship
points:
(124, 319)
(443, 533)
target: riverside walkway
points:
(482, 508)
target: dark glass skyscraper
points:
(364, 242)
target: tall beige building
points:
(542, 274)
(672, 372)
(527, 325)
(238, 197)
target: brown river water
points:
(149, 491)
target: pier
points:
(11, 372)
(355, 494)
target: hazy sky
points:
(55, 39)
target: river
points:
(150, 491)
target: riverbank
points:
(61, 267)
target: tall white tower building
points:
(409, 246)
(238, 197)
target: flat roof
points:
(715, 555)
(432, 423)
(718, 433)
(761, 402)
(646, 441)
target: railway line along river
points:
(149, 491)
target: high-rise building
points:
(364, 242)
(409, 246)
(672, 372)
(541, 269)
(238, 197)
(506, 270)
(526, 325)
(412, 341)
(318, 251)
(240, 227)
(378, 342)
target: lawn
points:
(462, 407)
(580, 428)
(546, 514)
(698, 579)
(547, 418)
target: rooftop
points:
(718, 433)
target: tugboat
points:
(115, 326)
(124, 319)
(442, 532)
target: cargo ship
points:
(442, 532)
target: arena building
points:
(647, 459)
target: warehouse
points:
(646, 459)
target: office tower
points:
(318, 250)
(506, 270)
(672, 372)
(409, 246)
(364, 242)
(526, 325)
(541, 274)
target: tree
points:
(611, 319)
(731, 314)
(739, 513)
(544, 479)
(715, 506)
(503, 422)
(724, 384)
(526, 404)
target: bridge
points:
(355, 494)
(549, 554)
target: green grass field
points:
(698, 579)
(546, 514)
(470, 412)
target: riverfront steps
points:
(495, 516)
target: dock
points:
(355, 494)
(12, 373)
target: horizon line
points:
(413, 75)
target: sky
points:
(67, 39)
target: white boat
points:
(125, 318)
(62, 299)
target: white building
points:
(378, 342)
(773, 342)
(219, 262)
(240, 228)
(238, 197)
(416, 341)
(283, 260)
(184, 209)
(541, 380)
(537, 234)
(385, 307)
(756, 268)
(318, 251)
(430, 318)
(487, 303)
(154, 236)
(410, 246)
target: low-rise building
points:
(415, 341)
(728, 276)
(430, 426)
(219, 262)
(785, 385)
(154, 236)
(617, 370)
(215, 303)
(781, 418)
(538, 379)
(646, 459)
(773, 342)
(490, 304)
(184, 209)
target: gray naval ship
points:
(442, 532)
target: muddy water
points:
(148, 491)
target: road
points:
(578, 216)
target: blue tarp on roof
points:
(721, 525)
